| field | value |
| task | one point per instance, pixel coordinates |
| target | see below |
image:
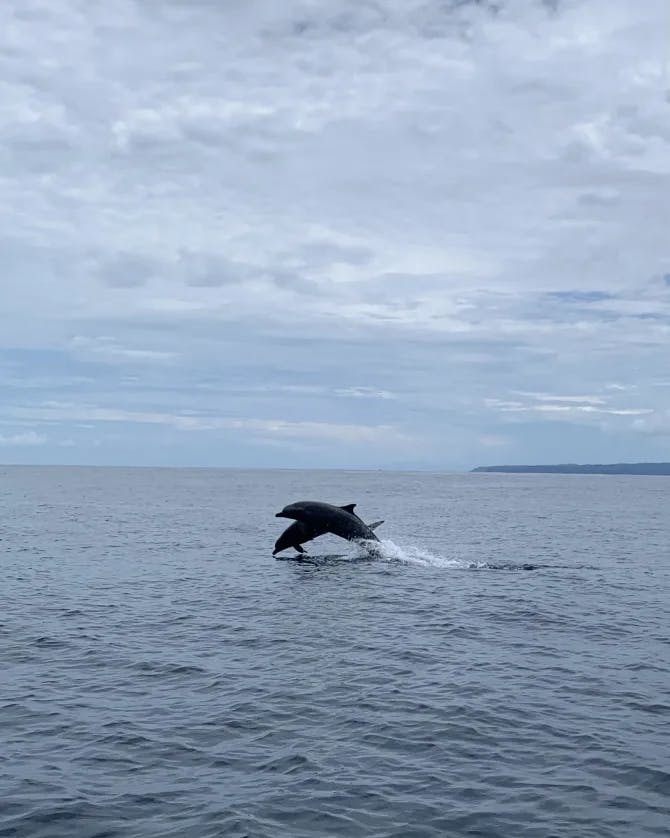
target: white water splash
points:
(389, 551)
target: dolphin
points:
(313, 518)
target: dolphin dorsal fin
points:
(349, 507)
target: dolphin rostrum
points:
(313, 518)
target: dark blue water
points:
(162, 675)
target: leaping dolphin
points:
(313, 518)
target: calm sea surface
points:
(162, 675)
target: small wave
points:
(160, 668)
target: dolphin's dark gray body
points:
(314, 518)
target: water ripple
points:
(164, 676)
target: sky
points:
(427, 234)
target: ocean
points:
(499, 668)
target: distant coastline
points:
(574, 468)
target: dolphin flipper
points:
(375, 525)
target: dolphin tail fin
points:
(375, 525)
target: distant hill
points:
(573, 468)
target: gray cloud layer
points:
(335, 232)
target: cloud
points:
(581, 296)
(107, 349)
(207, 270)
(576, 400)
(126, 270)
(573, 408)
(656, 424)
(494, 441)
(340, 215)
(193, 422)
(29, 438)
(365, 393)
